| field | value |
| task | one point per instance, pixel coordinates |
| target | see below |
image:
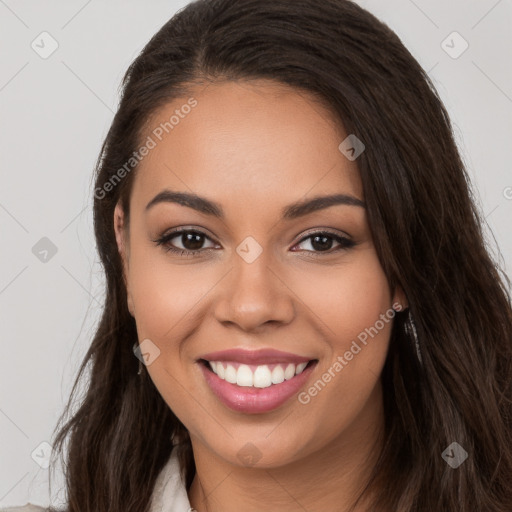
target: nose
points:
(254, 295)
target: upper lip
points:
(262, 356)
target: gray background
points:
(54, 115)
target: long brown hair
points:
(426, 228)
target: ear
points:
(122, 246)
(400, 302)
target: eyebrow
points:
(290, 212)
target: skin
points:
(254, 148)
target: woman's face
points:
(256, 280)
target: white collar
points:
(170, 493)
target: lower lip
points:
(255, 400)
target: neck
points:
(329, 478)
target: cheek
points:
(355, 304)
(366, 297)
(166, 299)
(345, 392)
(349, 299)
(165, 295)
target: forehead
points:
(257, 142)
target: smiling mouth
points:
(256, 376)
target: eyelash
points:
(345, 243)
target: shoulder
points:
(24, 508)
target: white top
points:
(169, 493)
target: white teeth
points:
(261, 377)
(220, 370)
(244, 376)
(298, 370)
(289, 372)
(230, 374)
(277, 375)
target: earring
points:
(136, 352)
(410, 329)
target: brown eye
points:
(191, 242)
(322, 242)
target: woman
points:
(293, 255)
